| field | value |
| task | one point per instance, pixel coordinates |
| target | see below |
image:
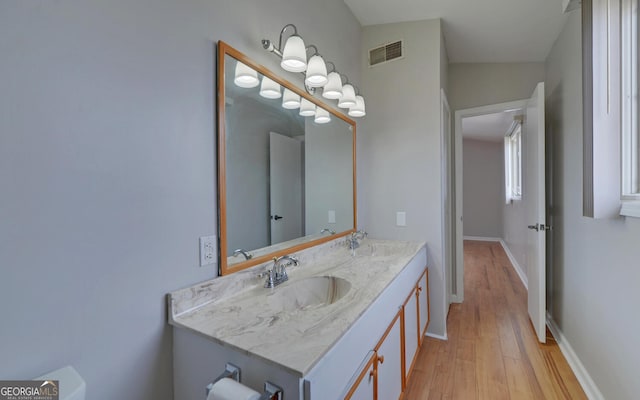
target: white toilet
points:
(72, 386)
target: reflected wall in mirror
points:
(285, 181)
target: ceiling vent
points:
(385, 53)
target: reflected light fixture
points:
(358, 110)
(333, 89)
(245, 77)
(290, 100)
(316, 71)
(307, 108)
(348, 98)
(270, 89)
(322, 116)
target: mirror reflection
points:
(288, 168)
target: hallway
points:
(492, 351)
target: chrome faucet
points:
(246, 255)
(332, 232)
(278, 273)
(352, 240)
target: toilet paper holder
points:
(230, 371)
(271, 390)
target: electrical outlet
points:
(332, 217)
(208, 247)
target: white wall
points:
(107, 170)
(483, 188)
(595, 272)
(400, 154)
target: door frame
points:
(456, 289)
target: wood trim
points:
(361, 376)
(403, 346)
(224, 269)
(424, 331)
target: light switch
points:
(332, 216)
(401, 218)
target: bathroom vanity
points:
(347, 324)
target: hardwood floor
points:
(492, 351)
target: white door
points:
(533, 193)
(285, 161)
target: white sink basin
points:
(310, 293)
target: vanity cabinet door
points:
(364, 387)
(423, 303)
(389, 362)
(411, 328)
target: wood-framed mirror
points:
(286, 182)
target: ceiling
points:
(488, 127)
(477, 31)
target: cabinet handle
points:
(381, 359)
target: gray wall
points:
(107, 171)
(595, 274)
(483, 188)
(480, 84)
(400, 155)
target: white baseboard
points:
(481, 238)
(440, 337)
(588, 385)
(516, 266)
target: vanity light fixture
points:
(358, 110)
(307, 108)
(322, 116)
(245, 77)
(290, 100)
(270, 89)
(348, 98)
(294, 59)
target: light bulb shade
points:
(290, 100)
(348, 98)
(358, 110)
(333, 89)
(270, 89)
(246, 77)
(316, 72)
(322, 116)
(294, 55)
(307, 108)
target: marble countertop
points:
(238, 312)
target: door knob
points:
(535, 227)
(277, 217)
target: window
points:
(513, 163)
(629, 104)
(611, 108)
(630, 111)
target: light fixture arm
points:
(295, 32)
(313, 46)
